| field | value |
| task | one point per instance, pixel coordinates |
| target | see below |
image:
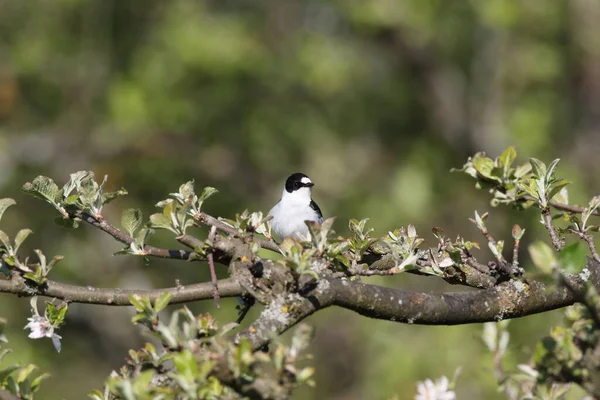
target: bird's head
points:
(298, 186)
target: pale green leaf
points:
(162, 301)
(44, 188)
(5, 240)
(131, 220)
(538, 168)
(4, 204)
(543, 257)
(20, 238)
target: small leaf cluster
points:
(251, 222)
(36, 272)
(181, 209)
(328, 246)
(360, 239)
(582, 224)
(560, 357)
(524, 382)
(297, 257)
(20, 381)
(132, 223)
(403, 244)
(194, 350)
(510, 185)
(80, 194)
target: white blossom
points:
(41, 327)
(428, 390)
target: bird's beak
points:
(309, 184)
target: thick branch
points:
(286, 311)
(5, 395)
(117, 297)
(512, 299)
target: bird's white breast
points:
(291, 212)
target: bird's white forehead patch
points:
(305, 180)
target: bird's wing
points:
(315, 207)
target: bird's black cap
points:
(297, 181)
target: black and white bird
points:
(295, 207)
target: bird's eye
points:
(297, 185)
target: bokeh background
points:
(374, 99)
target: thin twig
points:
(563, 206)
(478, 266)
(117, 297)
(547, 220)
(590, 242)
(515, 258)
(211, 264)
(126, 239)
(230, 230)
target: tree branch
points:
(563, 206)
(511, 299)
(230, 230)
(117, 297)
(126, 239)
(547, 219)
(6, 395)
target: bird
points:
(295, 207)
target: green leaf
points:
(110, 196)
(4, 204)
(506, 159)
(70, 223)
(305, 374)
(136, 301)
(562, 196)
(208, 192)
(186, 190)
(96, 395)
(551, 169)
(186, 364)
(556, 186)
(4, 373)
(25, 372)
(538, 168)
(589, 210)
(44, 188)
(20, 238)
(74, 181)
(530, 186)
(131, 220)
(543, 257)
(35, 384)
(4, 239)
(572, 258)
(484, 166)
(162, 301)
(161, 221)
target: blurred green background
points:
(375, 100)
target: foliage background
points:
(375, 100)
